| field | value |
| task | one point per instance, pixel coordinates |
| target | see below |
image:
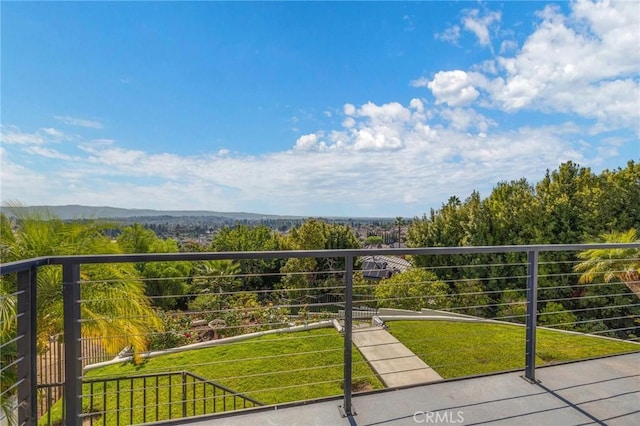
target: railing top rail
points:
(99, 379)
(226, 389)
(242, 255)
(23, 265)
(171, 373)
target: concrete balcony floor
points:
(603, 391)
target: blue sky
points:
(310, 108)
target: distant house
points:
(376, 268)
(397, 245)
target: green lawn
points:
(305, 365)
(272, 369)
(456, 349)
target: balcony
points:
(493, 334)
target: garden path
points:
(394, 363)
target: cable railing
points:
(117, 347)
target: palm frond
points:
(611, 264)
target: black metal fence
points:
(157, 397)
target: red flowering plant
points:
(175, 331)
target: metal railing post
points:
(26, 347)
(184, 394)
(347, 409)
(532, 316)
(72, 354)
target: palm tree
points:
(215, 275)
(212, 282)
(114, 307)
(620, 264)
(399, 223)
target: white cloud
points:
(54, 133)
(81, 122)
(481, 25)
(306, 143)
(417, 105)
(21, 183)
(450, 35)
(367, 140)
(35, 144)
(385, 113)
(453, 88)
(508, 46)
(47, 152)
(13, 135)
(420, 82)
(487, 67)
(348, 122)
(111, 155)
(585, 63)
(577, 64)
(349, 109)
(463, 119)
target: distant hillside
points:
(90, 212)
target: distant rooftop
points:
(379, 267)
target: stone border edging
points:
(211, 343)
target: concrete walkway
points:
(394, 363)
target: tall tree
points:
(413, 289)
(447, 227)
(165, 281)
(477, 223)
(136, 239)
(620, 201)
(563, 211)
(316, 234)
(259, 273)
(513, 211)
(399, 223)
